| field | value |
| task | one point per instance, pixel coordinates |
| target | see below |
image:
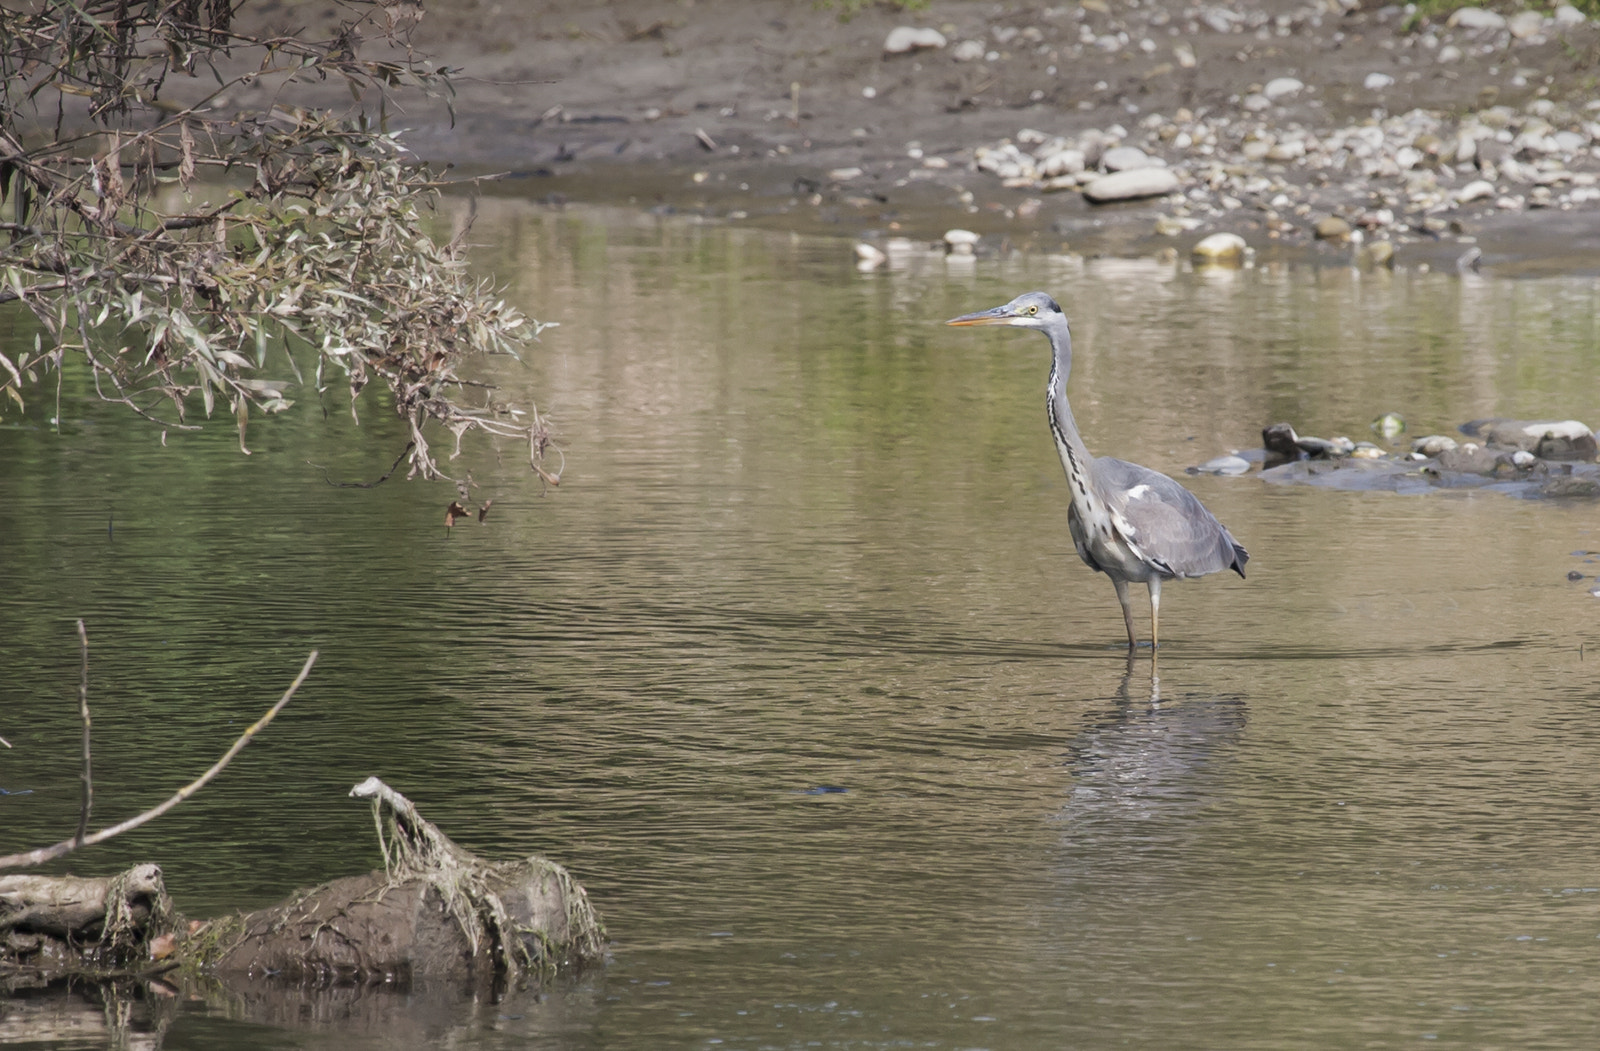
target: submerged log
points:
(436, 911)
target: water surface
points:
(798, 673)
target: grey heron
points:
(1128, 522)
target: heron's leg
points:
(1127, 610)
(1154, 583)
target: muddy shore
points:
(1275, 115)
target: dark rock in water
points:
(1567, 440)
(1574, 576)
(1283, 445)
(1393, 476)
(1472, 459)
(1571, 486)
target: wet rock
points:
(1332, 228)
(1367, 451)
(1223, 249)
(1472, 458)
(1131, 185)
(902, 39)
(1475, 190)
(1226, 465)
(869, 257)
(1572, 486)
(1063, 162)
(1574, 576)
(1378, 253)
(961, 242)
(1433, 444)
(1547, 439)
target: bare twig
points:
(83, 710)
(44, 854)
(364, 485)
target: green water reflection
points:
(809, 539)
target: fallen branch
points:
(44, 854)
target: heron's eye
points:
(1032, 310)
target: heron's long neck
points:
(1074, 454)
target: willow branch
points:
(44, 854)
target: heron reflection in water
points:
(1128, 522)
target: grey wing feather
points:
(1171, 529)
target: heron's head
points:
(1029, 310)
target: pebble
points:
(1377, 81)
(1475, 190)
(1378, 253)
(902, 39)
(1390, 425)
(1567, 15)
(1224, 249)
(1131, 185)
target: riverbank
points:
(1466, 139)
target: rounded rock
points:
(1433, 444)
(959, 238)
(1282, 87)
(1525, 24)
(968, 51)
(1126, 158)
(1222, 249)
(912, 38)
(1332, 228)
(1377, 81)
(1131, 185)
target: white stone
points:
(1476, 18)
(1282, 87)
(1377, 81)
(1449, 53)
(1131, 185)
(1407, 157)
(1525, 24)
(844, 174)
(1567, 15)
(1126, 158)
(1255, 102)
(968, 51)
(1569, 141)
(1291, 150)
(1475, 190)
(960, 237)
(1062, 162)
(910, 38)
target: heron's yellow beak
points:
(996, 316)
